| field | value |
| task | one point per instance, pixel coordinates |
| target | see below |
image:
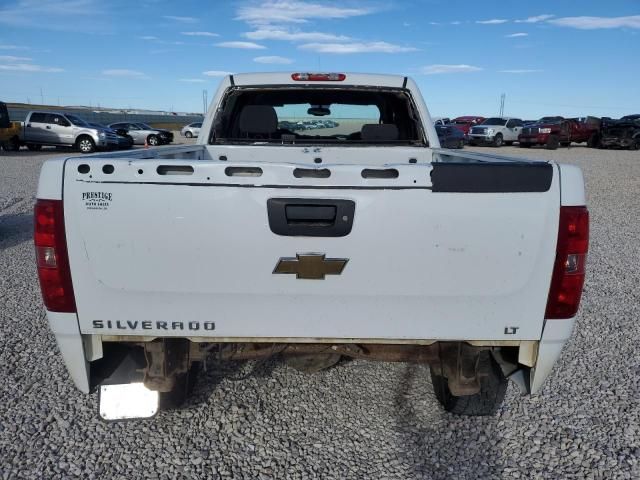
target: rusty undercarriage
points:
(458, 362)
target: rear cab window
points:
(286, 115)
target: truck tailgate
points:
(187, 248)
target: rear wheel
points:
(497, 140)
(85, 145)
(188, 134)
(34, 148)
(635, 145)
(12, 145)
(552, 143)
(493, 388)
(153, 140)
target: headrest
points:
(258, 119)
(374, 131)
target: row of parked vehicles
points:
(549, 132)
(42, 128)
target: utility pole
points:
(502, 97)
(204, 101)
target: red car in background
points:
(465, 123)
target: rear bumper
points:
(555, 335)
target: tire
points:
(497, 140)
(34, 148)
(85, 144)
(493, 388)
(182, 390)
(635, 145)
(153, 140)
(188, 134)
(594, 141)
(552, 143)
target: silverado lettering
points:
(148, 325)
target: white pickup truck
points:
(355, 237)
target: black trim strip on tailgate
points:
(489, 177)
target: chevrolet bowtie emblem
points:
(311, 266)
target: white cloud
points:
(124, 73)
(216, 73)
(273, 59)
(456, 22)
(180, 19)
(282, 33)
(244, 45)
(200, 34)
(13, 47)
(438, 69)
(521, 71)
(517, 35)
(89, 16)
(494, 21)
(29, 67)
(294, 11)
(595, 23)
(191, 80)
(148, 37)
(536, 19)
(11, 58)
(356, 47)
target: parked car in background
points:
(553, 132)
(9, 131)
(450, 136)
(623, 133)
(441, 120)
(124, 140)
(465, 123)
(144, 134)
(496, 131)
(64, 129)
(191, 130)
(166, 136)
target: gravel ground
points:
(357, 420)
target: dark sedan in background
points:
(450, 136)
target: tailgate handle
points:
(300, 217)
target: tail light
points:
(318, 77)
(569, 268)
(52, 258)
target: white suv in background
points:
(496, 131)
(191, 130)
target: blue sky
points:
(567, 57)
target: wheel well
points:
(84, 135)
